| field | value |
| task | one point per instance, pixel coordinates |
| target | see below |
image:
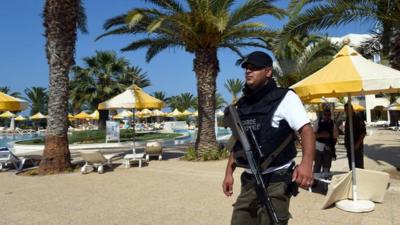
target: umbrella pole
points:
(353, 164)
(354, 205)
(133, 136)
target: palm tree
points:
(102, 77)
(61, 20)
(324, 14)
(160, 95)
(234, 86)
(181, 102)
(185, 101)
(7, 90)
(220, 102)
(173, 102)
(301, 58)
(199, 27)
(38, 99)
(134, 75)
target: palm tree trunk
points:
(394, 54)
(60, 21)
(206, 68)
(103, 117)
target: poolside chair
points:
(95, 159)
(8, 157)
(153, 149)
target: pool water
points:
(5, 139)
(192, 135)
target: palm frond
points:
(82, 19)
(170, 5)
(254, 8)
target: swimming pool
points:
(4, 139)
(191, 135)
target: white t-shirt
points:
(292, 110)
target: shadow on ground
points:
(387, 154)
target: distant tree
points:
(182, 102)
(61, 20)
(220, 102)
(173, 102)
(134, 75)
(160, 95)
(234, 86)
(199, 27)
(38, 99)
(7, 90)
(103, 76)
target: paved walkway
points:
(176, 192)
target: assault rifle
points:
(232, 120)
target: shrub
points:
(216, 154)
(190, 155)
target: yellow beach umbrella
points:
(174, 113)
(320, 100)
(356, 107)
(394, 107)
(132, 98)
(196, 113)
(9, 103)
(20, 118)
(82, 115)
(145, 112)
(157, 112)
(349, 74)
(95, 115)
(38, 116)
(70, 116)
(7, 114)
(123, 114)
(186, 113)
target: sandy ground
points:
(177, 192)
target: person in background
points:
(326, 135)
(359, 132)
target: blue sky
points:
(23, 61)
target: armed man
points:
(263, 142)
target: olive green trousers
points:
(248, 211)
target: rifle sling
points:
(264, 165)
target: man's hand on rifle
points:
(227, 185)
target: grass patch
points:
(99, 136)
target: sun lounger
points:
(96, 159)
(153, 149)
(8, 157)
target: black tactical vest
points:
(257, 116)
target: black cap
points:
(258, 59)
